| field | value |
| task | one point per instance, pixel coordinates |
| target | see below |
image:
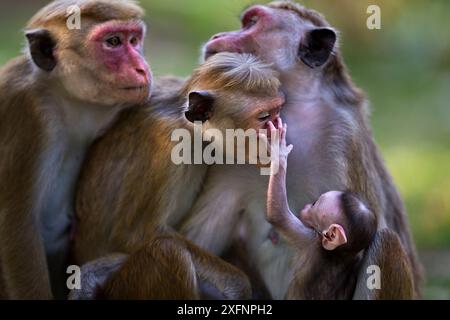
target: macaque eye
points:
(263, 116)
(314, 203)
(134, 41)
(249, 22)
(113, 42)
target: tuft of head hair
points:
(98, 10)
(361, 223)
(231, 71)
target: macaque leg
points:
(215, 273)
(237, 254)
(94, 275)
(170, 267)
(395, 279)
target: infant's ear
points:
(334, 237)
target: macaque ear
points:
(334, 237)
(200, 106)
(317, 47)
(41, 45)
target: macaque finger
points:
(283, 133)
(263, 137)
(272, 129)
(279, 123)
(265, 144)
(290, 148)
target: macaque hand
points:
(279, 132)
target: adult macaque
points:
(331, 234)
(328, 120)
(131, 193)
(55, 101)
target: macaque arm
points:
(395, 279)
(214, 217)
(278, 211)
(217, 278)
(280, 215)
(22, 254)
(168, 267)
(23, 259)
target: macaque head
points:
(102, 62)
(283, 33)
(342, 221)
(234, 91)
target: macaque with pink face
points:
(334, 230)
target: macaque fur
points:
(330, 236)
(55, 100)
(135, 195)
(334, 150)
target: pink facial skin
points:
(325, 211)
(325, 216)
(119, 47)
(254, 22)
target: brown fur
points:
(132, 191)
(323, 275)
(397, 278)
(387, 200)
(99, 10)
(44, 133)
(333, 150)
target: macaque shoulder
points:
(16, 75)
(18, 104)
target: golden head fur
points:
(101, 10)
(231, 71)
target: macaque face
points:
(248, 111)
(230, 110)
(233, 110)
(327, 210)
(113, 69)
(271, 34)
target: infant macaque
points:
(330, 234)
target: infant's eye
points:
(314, 203)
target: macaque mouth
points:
(210, 53)
(137, 88)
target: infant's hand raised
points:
(278, 134)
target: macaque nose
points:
(141, 72)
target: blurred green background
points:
(404, 68)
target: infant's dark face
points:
(326, 211)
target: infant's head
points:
(342, 220)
